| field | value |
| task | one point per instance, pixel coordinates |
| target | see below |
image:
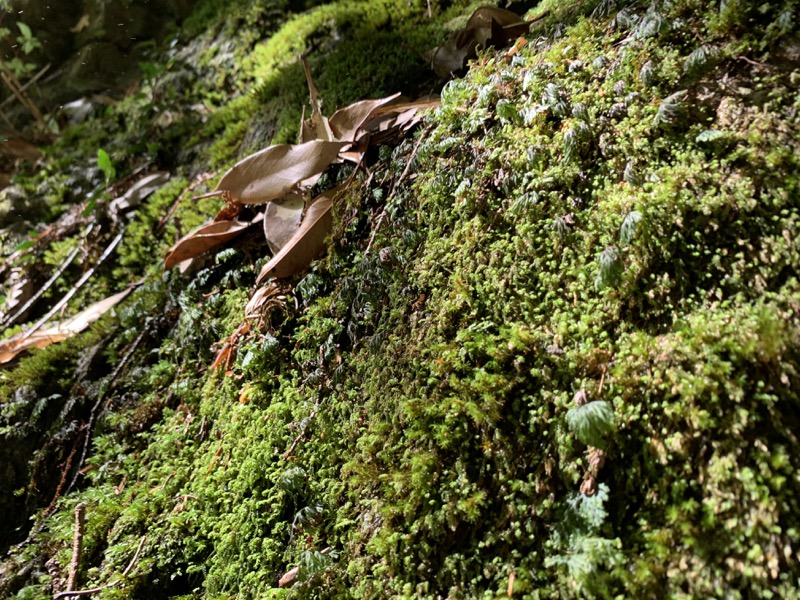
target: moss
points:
(594, 244)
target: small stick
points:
(14, 85)
(64, 474)
(71, 593)
(300, 436)
(27, 84)
(61, 303)
(190, 188)
(77, 542)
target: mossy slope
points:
(554, 356)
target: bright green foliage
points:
(592, 218)
(591, 422)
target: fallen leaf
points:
(202, 239)
(289, 577)
(347, 122)
(138, 192)
(277, 170)
(263, 298)
(82, 24)
(308, 242)
(487, 26)
(57, 332)
(282, 219)
(228, 351)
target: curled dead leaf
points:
(309, 240)
(346, 123)
(277, 170)
(487, 26)
(202, 239)
(138, 192)
(270, 295)
(282, 219)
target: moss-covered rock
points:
(552, 351)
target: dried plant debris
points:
(488, 26)
(204, 238)
(10, 348)
(280, 177)
(309, 240)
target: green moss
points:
(594, 245)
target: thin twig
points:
(397, 183)
(61, 268)
(93, 414)
(70, 594)
(16, 88)
(61, 303)
(77, 543)
(300, 435)
(27, 84)
(755, 63)
(63, 481)
(200, 179)
(8, 121)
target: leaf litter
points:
(280, 177)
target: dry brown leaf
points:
(347, 122)
(202, 239)
(138, 192)
(282, 219)
(309, 241)
(487, 26)
(289, 577)
(277, 170)
(397, 118)
(229, 212)
(57, 332)
(265, 297)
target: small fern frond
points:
(592, 422)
